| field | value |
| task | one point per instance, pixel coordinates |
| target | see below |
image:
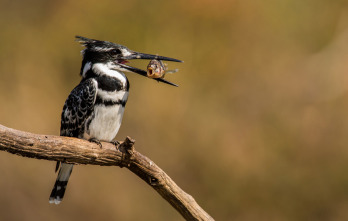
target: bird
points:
(94, 109)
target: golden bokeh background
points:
(257, 130)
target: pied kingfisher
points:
(94, 108)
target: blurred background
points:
(257, 129)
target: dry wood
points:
(78, 151)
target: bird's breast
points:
(107, 115)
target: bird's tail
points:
(59, 188)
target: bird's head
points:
(115, 56)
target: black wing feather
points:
(78, 108)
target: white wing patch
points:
(86, 68)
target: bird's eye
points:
(115, 52)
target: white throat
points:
(104, 69)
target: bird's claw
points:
(116, 144)
(94, 140)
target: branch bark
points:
(78, 151)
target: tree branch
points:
(78, 151)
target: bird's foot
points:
(116, 144)
(94, 140)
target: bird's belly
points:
(105, 123)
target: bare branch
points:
(78, 151)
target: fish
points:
(157, 69)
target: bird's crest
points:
(96, 44)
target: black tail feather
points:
(58, 191)
(59, 188)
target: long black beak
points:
(137, 55)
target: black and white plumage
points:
(94, 108)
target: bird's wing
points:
(78, 108)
